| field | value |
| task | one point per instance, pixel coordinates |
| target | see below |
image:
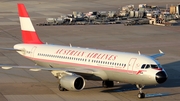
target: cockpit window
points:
(154, 66)
(147, 66)
(143, 66)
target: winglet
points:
(139, 52)
(161, 53)
(70, 45)
(29, 35)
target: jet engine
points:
(72, 82)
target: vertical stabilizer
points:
(29, 34)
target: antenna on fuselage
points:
(139, 52)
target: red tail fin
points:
(29, 34)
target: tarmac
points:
(25, 85)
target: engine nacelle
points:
(72, 82)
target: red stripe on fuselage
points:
(22, 10)
(30, 37)
(84, 65)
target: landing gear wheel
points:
(61, 88)
(107, 84)
(141, 95)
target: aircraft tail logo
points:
(29, 35)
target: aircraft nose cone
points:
(161, 77)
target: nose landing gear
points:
(140, 94)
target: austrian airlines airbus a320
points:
(72, 65)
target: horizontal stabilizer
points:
(10, 49)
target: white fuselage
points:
(111, 65)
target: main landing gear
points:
(140, 94)
(107, 84)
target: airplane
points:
(73, 65)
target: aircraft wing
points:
(157, 55)
(84, 72)
(39, 68)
